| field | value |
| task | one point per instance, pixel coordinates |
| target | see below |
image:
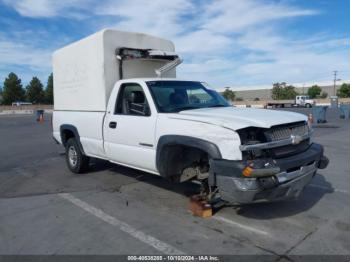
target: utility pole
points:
(335, 81)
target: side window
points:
(131, 100)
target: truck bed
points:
(90, 126)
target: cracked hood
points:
(237, 118)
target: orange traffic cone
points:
(41, 118)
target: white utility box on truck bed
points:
(113, 102)
(88, 69)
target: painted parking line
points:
(143, 237)
(236, 224)
(330, 189)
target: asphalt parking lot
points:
(44, 209)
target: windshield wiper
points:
(218, 106)
(179, 109)
(188, 108)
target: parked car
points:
(19, 103)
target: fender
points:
(172, 140)
(74, 130)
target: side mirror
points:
(147, 110)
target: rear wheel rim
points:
(72, 156)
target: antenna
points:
(168, 66)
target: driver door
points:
(130, 129)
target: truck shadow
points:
(186, 189)
(312, 194)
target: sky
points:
(242, 43)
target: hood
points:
(237, 118)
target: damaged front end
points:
(277, 164)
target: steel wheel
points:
(72, 156)
(77, 162)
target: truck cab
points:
(136, 112)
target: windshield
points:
(175, 96)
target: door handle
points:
(112, 124)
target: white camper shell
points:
(89, 68)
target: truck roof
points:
(107, 31)
(145, 79)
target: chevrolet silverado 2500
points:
(117, 98)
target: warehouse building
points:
(265, 92)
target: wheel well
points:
(175, 158)
(69, 131)
(65, 135)
(176, 152)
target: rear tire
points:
(77, 162)
(308, 106)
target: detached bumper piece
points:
(265, 180)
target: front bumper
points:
(293, 174)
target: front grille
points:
(284, 132)
(275, 133)
(289, 150)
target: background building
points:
(265, 92)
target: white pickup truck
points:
(112, 102)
